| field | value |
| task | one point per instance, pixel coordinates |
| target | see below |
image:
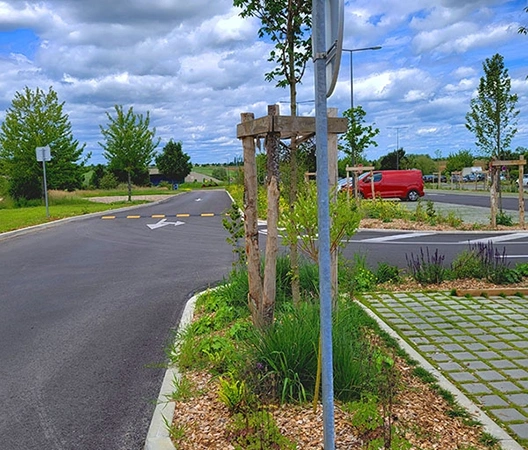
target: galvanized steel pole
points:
(323, 202)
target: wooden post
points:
(521, 193)
(493, 195)
(251, 223)
(272, 241)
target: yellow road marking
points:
(133, 217)
(207, 214)
(108, 217)
(182, 215)
(158, 216)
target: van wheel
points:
(413, 195)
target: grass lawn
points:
(13, 219)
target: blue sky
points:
(195, 66)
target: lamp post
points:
(351, 51)
(398, 143)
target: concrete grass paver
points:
(480, 344)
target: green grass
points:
(14, 219)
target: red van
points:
(403, 184)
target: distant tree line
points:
(37, 119)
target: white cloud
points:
(197, 65)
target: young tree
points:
(129, 142)
(173, 162)
(358, 136)
(492, 117)
(288, 24)
(36, 119)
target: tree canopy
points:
(36, 119)
(173, 162)
(492, 115)
(358, 136)
(129, 143)
(457, 161)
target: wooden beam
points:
(288, 126)
(517, 162)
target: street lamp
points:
(398, 143)
(352, 50)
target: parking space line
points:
(505, 237)
(395, 237)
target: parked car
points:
(524, 180)
(434, 178)
(402, 184)
(342, 184)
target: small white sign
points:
(43, 153)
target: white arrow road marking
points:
(162, 223)
(198, 200)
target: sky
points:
(196, 65)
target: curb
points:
(506, 441)
(158, 434)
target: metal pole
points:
(397, 148)
(323, 214)
(45, 184)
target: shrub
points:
(387, 273)
(426, 268)
(383, 210)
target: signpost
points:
(43, 155)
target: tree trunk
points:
(250, 225)
(294, 176)
(272, 241)
(493, 195)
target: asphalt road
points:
(86, 309)
(510, 201)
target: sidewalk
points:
(479, 344)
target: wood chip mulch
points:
(419, 413)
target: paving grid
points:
(480, 344)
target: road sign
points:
(334, 18)
(43, 153)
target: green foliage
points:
(257, 431)
(361, 277)
(36, 119)
(365, 414)
(387, 273)
(288, 25)
(234, 225)
(183, 389)
(301, 223)
(129, 143)
(489, 440)
(394, 160)
(173, 162)
(422, 162)
(467, 264)
(220, 173)
(457, 161)
(358, 136)
(504, 219)
(176, 431)
(288, 351)
(493, 117)
(383, 210)
(108, 181)
(427, 268)
(233, 393)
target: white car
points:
(524, 181)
